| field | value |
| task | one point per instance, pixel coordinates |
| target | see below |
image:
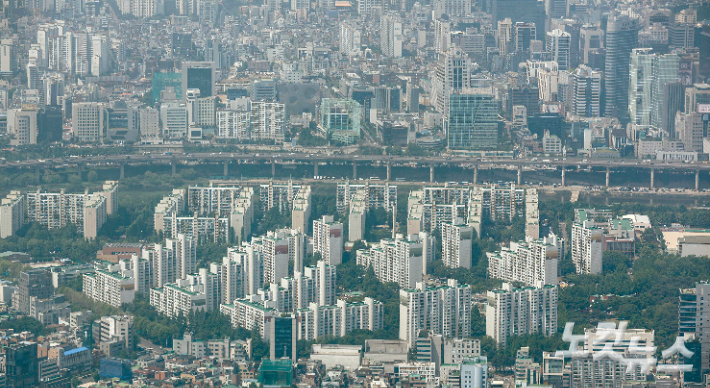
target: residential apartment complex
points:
(520, 311)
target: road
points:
(281, 157)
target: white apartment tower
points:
(520, 311)
(444, 310)
(401, 260)
(456, 243)
(587, 247)
(328, 239)
(527, 262)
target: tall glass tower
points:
(621, 37)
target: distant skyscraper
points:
(88, 121)
(559, 43)
(519, 11)
(621, 38)
(555, 9)
(524, 34)
(472, 120)
(199, 75)
(586, 90)
(391, 37)
(640, 78)
(453, 73)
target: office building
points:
(521, 311)
(559, 45)
(586, 91)
(443, 310)
(340, 120)
(22, 126)
(391, 36)
(12, 213)
(149, 122)
(88, 121)
(471, 121)
(458, 349)
(452, 8)
(453, 73)
(328, 240)
(518, 11)
(21, 366)
(527, 262)
(282, 339)
(399, 260)
(35, 283)
(591, 39)
(117, 330)
(49, 122)
(456, 243)
(524, 34)
(199, 75)
(474, 372)
(175, 119)
(621, 38)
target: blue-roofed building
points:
(76, 360)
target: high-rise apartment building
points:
(587, 247)
(328, 239)
(443, 310)
(12, 213)
(267, 120)
(113, 288)
(527, 262)
(399, 260)
(456, 243)
(520, 311)
(351, 35)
